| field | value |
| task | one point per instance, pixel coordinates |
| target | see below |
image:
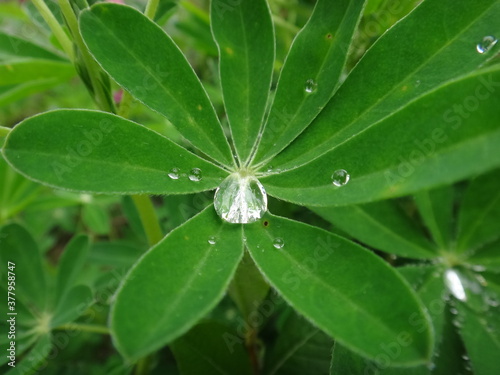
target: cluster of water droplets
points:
(486, 44)
(193, 175)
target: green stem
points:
(283, 23)
(84, 328)
(58, 31)
(93, 69)
(151, 9)
(148, 218)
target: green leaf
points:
(429, 284)
(96, 218)
(244, 34)
(479, 213)
(72, 305)
(348, 292)
(71, 265)
(382, 225)
(425, 145)
(35, 359)
(487, 256)
(11, 93)
(152, 68)
(300, 348)
(481, 335)
(175, 284)
(395, 72)
(248, 289)
(27, 70)
(316, 59)
(103, 153)
(436, 208)
(115, 254)
(13, 47)
(205, 350)
(18, 247)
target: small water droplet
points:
(486, 44)
(212, 240)
(478, 268)
(174, 173)
(340, 177)
(453, 310)
(195, 174)
(311, 86)
(454, 284)
(278, 243)
(465, 357)
(240, 199)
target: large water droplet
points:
(174, 173)
(486, 44)
(340, 177)
(310, 86)
(454, 284)
(195, 174)
(240, 199)
(278, 243)
(212, 240)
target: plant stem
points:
(93, 69)
(151, 9)
(58, 31)
(84, 328)
(148, 218)
(286, 25)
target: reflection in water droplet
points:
(278, 243)
(240, 199)
(486, 44)
(195, 174)
(454, 284)
(310, 86)
(340, 177)
(174, 173)
(212, 240)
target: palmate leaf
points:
(102, 153)
(310, 74)
(174, 284)
(425, 145)
(343, 289)
(244, 34)
(151, 67)
(431, 47)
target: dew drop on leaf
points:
(454, 284)
(174, 173)
(311, 86)
(486, 44)
(240, 199)
(195, 174)
(340, 177)
(212, 240)
(278, 243)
